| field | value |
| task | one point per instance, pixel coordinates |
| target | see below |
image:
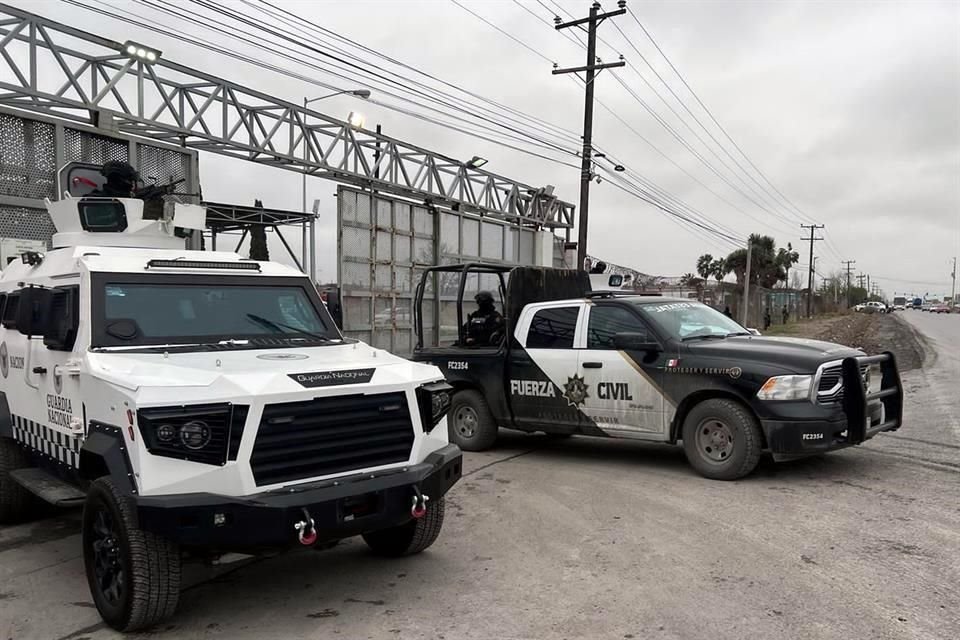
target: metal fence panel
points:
(384, 244)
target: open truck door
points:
(497, 382)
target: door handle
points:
(592, 365)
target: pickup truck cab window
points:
(606, 322)
(553, 328)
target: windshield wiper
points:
(739, 333)
(705, 336)
(279, 327)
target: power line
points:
(509, 35)
(683, 104)
(243, 19)
(143, 22)
(710, 114)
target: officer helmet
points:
(484, 297)
(118, 170)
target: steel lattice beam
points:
(92, 80)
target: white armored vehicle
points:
(199, 404)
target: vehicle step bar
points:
(48, 487)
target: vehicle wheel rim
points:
(466, 421)
(715, 441)
(107, 561)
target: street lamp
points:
(360, 93)
(476, 162)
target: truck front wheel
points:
(410, 538)
(721, 439)
(470, 422)
(134, 575)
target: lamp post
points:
(360, 93)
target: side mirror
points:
(63, 319)
(32, 310)
(635, 342)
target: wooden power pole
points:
(593, 65)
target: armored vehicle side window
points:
(553, 328)
(10, 310)
(606, 322)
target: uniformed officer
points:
(121, 180)
(484, 327)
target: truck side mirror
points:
(63, 318)
(32, 310)
(636, 342)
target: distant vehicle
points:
(939, 308)
(898, 307)
(917, 303)
(874, 306)
(899, 301)
(859, 307)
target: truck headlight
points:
(434, 402)
(786, 388)
(198, 433)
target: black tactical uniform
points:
(121, 179)
(484, 327)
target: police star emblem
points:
(575, 391)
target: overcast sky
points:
(852, 109)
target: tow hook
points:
(419, 508)
(306, 531)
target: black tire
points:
(16, 503)
(410, 538)
(722, 439)
(148, 587)
(470, 424)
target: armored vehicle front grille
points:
(324, 436)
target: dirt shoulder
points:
(872, 333)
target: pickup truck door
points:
(623, 395)
(541, 361)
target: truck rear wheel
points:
(722, 440)
(410, 538)
(470, 422)
(16, 503)
(134, 576)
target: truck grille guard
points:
(856, 397)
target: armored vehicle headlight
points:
(166, 433)
(434, 402)
(195, 434)
(786, 388)
(208, 433)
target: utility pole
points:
(812, 239)
(593, 65)
(953, 286)
(746, 283)
(869, 288)
(849, 264)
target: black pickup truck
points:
(574, 362)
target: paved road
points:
(600, 539)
